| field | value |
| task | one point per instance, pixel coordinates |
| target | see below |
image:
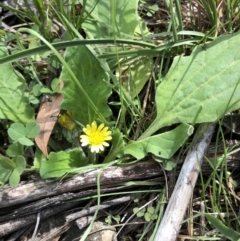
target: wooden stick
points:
(176, 208)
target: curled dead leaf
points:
(46, 119)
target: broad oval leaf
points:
(20, 164)
(16, 131)
(201, 87)
(32, 129)
(14, 178)
(13, 103)
(111, 18)
(162, 145)
(94, 82)
(25, 141)
(62, 162)
(7, 163)
(15, 149)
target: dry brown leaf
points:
(46, 119)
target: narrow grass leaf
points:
(223, 229)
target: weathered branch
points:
(176, 208)
(110, 176)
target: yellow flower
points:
(66, 122)
(96, 137)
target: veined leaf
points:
(162, 145)
(109, 18)
(62, 162)
(13, 103)
(93, 80)
(201, 87)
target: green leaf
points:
(201, 87)
(55, 85)
(62, 162)
(25, 141)
(33, 100)
(169, 164)
(162, 145)
(7, 163)
(147, 217)
(16, 131)
(4, 176)
(32, 129)
(151, 210)
(13, 103)
(36, 89)
(94, 81)
(226, 231)
(20, 164)
(111, 18)
(136, 75)
(150, 214)
(117, 146)
(139, 213)
(15, 149)
(14, 178)
(108, 220)
(45, 90)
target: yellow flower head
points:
(65, 121)
(96, 137)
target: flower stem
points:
(91, 157)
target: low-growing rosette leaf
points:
(14, 105)
(60, 163)
(163, 145)
(92, 81)
(111, 18)
(201, 87)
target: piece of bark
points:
(18, 223)
(34, 190)
(38, 205)
(176, 208)
(110, 176)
